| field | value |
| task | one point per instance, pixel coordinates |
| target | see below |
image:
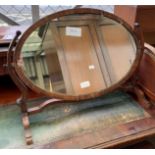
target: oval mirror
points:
(77, 54)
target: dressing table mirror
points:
(74, 56)
(77, 54)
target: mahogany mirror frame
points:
(42, 21)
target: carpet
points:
(63, 120)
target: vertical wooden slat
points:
(61, 57)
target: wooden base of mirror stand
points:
(142, 98)
(22, 103)
(26, 112)
(133, 88)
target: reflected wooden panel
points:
(78, 54)
(117, 40)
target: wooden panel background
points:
(79, 54)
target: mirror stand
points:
(22, 101)
(130, 86)
(133, 88)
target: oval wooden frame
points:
(37, 89)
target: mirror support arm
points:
(23, 89)
(139, 33)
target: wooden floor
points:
(9, 92)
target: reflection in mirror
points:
(78, 54)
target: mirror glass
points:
(78, 54)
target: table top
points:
(104, 122)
